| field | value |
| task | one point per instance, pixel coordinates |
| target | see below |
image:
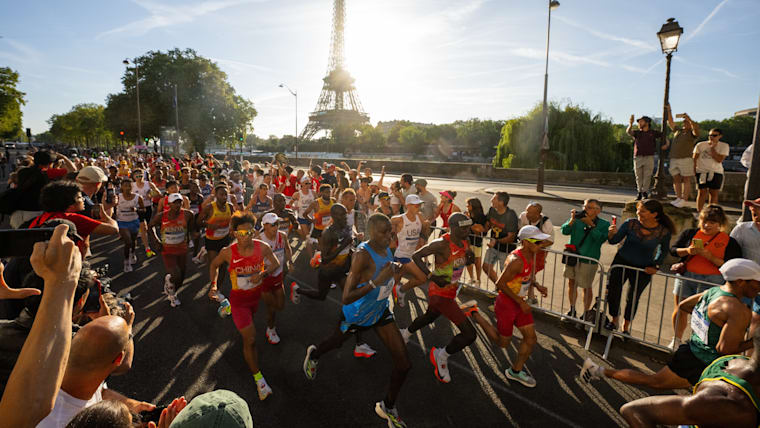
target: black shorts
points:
(385, 319)
(217, 244)
(316, 233)
(715, 184)
(686, 365)
(328, 274)
(146, 215)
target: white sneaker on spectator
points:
(674, 343)
(127, 266)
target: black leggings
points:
(637, 282)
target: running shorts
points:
(243, 304)
(271, 283)
(447, 307)
(508, 315)
(686, 365)
(385, 318)
(217, 244)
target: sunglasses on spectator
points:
(243, 233)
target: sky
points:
(431, 61)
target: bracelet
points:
(372, 284)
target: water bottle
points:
(224, 308)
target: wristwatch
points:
(372, 284)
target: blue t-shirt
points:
(640, 250)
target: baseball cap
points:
(215, 409)
(532, 232)
(413, 200)
(270, 218)
(383, 195)
(175, 197)
(421, 182)
(740, 269)
(446, 194)
(755, 203)
(91, 174)
(647, 118)
(306, 179)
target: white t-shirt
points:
(705, 161)
(547, 227)
(66, 407)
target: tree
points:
(209, 108)
(737, 131)
(11, 100)
(83, 125)
(479, 136)
(369, 140)
(412, 139)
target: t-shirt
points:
(501, 225)
(705, 162)
(56, 173)
(66, 407)
(429, 205)
(748, 237)
(683, 144)
(546, 224)
(644, 142)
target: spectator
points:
(446, 207)
(647, 238)
(702, 252)
(503, 224)
(406, 186)
(479, 220)
(533, 216)
(429, 202)
(747, 234)
(116, 414)
(90, 180)
(22, 202)
(644, 148)
(43, 160)
(220, 408)
(397, 198)
(708, 164)
(681, 165)
(587, 234)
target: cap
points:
(306, 179)
(413, 200)
(421, 182)
(91, 174)
(755, 203)
(532, 232)
(740, 269)
(383, 195)
(270, 218)
(647, 118)
(215, 409)
(72, 233)
(175, 197)
(446, 194)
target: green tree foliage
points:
(412, 139)
(209, 108)
(11, 100)
(84, 126)
(737, 131)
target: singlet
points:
(445, 216)
(322, 216)
(237, 190)
(127, 210)
(161, 185)
(304, 200)
(278, 248)
(408, 237)
(221, 218)
(184, 189)
(717, 371)
(342, 256)
(705, 333)
(242, 269)
(174, 233)
(520, 284)
(451, 268)
(259, 206)
(195, 202)
(144, 192)
(368, 309)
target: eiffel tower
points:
(338, 109)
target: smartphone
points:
(109, 195)
(698, 243)
(92, 304)
(152, 415)
(20, 242)
(614, 220)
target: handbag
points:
(570, 260)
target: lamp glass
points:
(669, 41)
(553, 5)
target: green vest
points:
(705, 333)
(716, 371)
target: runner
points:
(127, 217)
(719, 321)
(215, 218)
(287, 218)
(365, 307)
(237, 189)
(171, 187)
(511, 308)
(321, 209)
(411, 232)
(451, 253)
(260, 202)
(147, 190)
(301, 201)
(250, 261)
(272, 290)
(196, 200)
(177, 224)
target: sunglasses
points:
(243, 233)
(535, 241)
(715, 135)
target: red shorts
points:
(271, 283)
(243, 304)
(447, 307)
(508, 314)
(172, 261)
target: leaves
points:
(11, 100)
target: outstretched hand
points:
(14, 293)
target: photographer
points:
(587, 234)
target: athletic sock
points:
(258, 376)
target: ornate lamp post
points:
(553, 4)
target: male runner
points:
(365, 306)
(411, 232)
(250, 261)
(321, 209)
(127, 216)
(147, 190)
(287, 220)
(719, 321)
(215, 217)
(511, 308)
(301, 201)
(451, 253)
(273, 293)
(171, 187)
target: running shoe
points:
(149, 253)
(309, 365)
(390, 415)
(469, 307)
(272, 336)
(591, 371)
(174, 301)
(399, 296)
(132, 258)
(364, 351)
(405, 334)
(168, 286)
(674, 343)
(127, 266)
(440, 366)
(522, 376)
(198, 259)
(294, 296)
(264, 389)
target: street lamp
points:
(553, 4)
(137, 87)
(669, 35)
(295, 94)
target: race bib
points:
(326, 220)
(174, 238)
(524, 287)
(244, 282)
(221, 232)
(699, 325)
(385, 290)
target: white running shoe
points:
(440, 364)
(364, 351)
(591, 371)
(405, 334)
(294, 296)
(127, 266)
(174, 301)
(264, 389)
(170, 292)
(309, 365)
(390, 415)
(272, 336)
(674, 343)
(132, 258)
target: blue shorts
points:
(402, 260)
(132, 226)
(685, 288)
(304, 221)
(756, 304)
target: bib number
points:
(245, 283)
(174, 238)
(524, 287)
(221, 232)
(700, 325)
(385, 290)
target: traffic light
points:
(146, 139)
(121, 133)
(240, 137)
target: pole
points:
(545, 137)
(176, 119)
(139, 122)
(659, 180)
(752, 191)
(295, 94)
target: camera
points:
(580, 215)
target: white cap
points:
(270, 218)
(175, 197)
(305, 179)
(91, 174)
(532, 232)
(413, 200)
(735, 269)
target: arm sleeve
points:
(683, 241)
(620, 233)
(733, 250)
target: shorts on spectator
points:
(272, 283)
(243, 304)
(493, 256)
(582, 273)
(447, 307)
(146, 215)
(508, 315)
(132, 226)
(305, 221)
(685, 288)
(686, 365)
(681, 166)
(704, 181)
(217, 244)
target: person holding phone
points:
(681, 166)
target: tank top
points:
(195, 202)
(237, 190)
(705, 333)
(304, 200)
(322, 216)
(452, 268)
(127, 210)
(261, 206)
(174, 233)
(408, 237)
(716, 245)
(717, 371)
(144, 192)
(221, 218)
(161, 185)
(243, 268)
(278, 248)
(368, 309)
(445, 216)
(520, 284)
